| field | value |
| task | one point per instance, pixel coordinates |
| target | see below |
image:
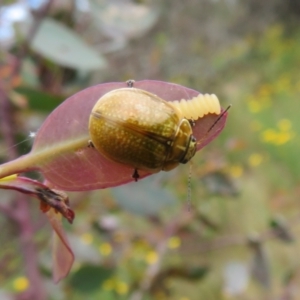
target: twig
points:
(151, 272)
(242, 240)
(21, 208)
(153, 269)
(227, 241)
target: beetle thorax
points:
(183, 147)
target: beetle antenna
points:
(189, 190)
(215, 122)
(219, 118)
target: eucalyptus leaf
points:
(89, 278)
(148, 197)
(60, 150)
(124, 19)
(65, 47)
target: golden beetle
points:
(136, 128)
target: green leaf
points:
(124, 19)
(65, 47)
(40, 100)
(89, 278)
(148, 197)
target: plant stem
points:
(161, 249)
(37, 158)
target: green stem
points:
(37, 157)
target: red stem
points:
(29, 251)
(20, 213)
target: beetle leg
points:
(135, 175)
(90, 144)
(130, 82)
(192, 122)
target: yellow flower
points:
(21, 284)
(105, 249)
(151, 258)
(283, 137)
(269, 136)
(264, 91)
(87, 238)
(174, 242)
(278, 137)
(254, 106)
(255, 159)
(108, 284)
(121, 287)
(236, 171)
(284, 125)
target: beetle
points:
(137, 128)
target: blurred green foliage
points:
(239, 239)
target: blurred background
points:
(240, 239)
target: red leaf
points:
(48, 197)
(60, 148)
(62, 254)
